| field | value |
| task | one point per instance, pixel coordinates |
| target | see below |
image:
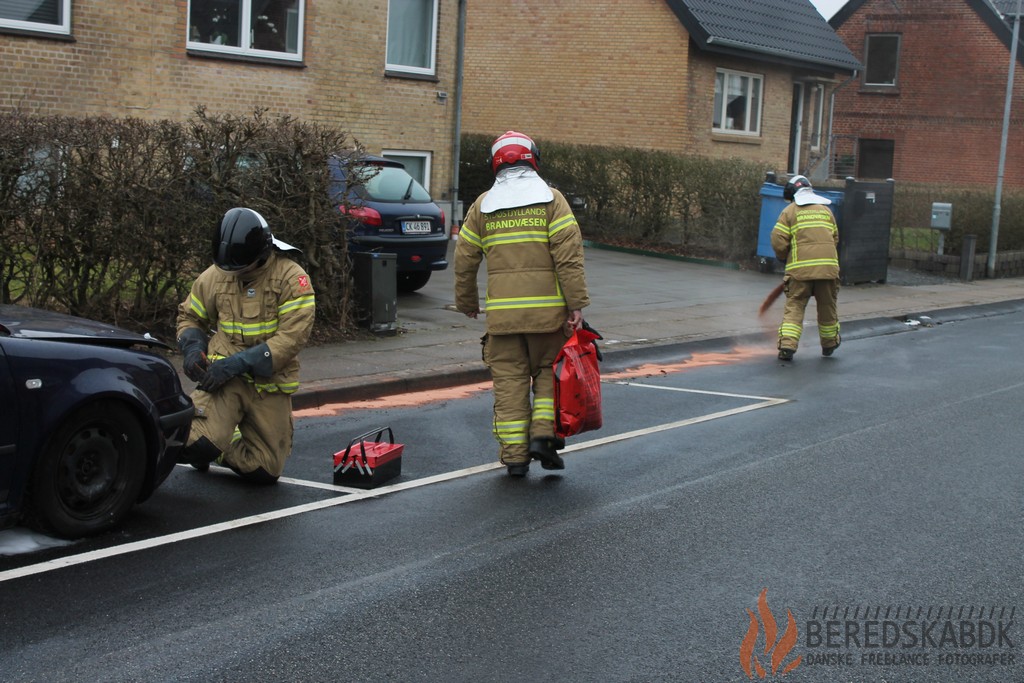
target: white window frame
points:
(867, 58)
(429, 70)
(750, 129)
(397, 154)
(817, 114)
(63, 28)
(245, 49)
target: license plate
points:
(416, 227)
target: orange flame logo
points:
(775, 651)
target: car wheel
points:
(411, 280)
(90, 473)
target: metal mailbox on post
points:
(942, 220)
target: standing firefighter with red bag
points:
(536, 290)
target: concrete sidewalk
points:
(642, 305)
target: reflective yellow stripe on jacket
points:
(809, 220)
(266, 327)
(526, 302)
(258, 329)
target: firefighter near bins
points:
(536, 290)
(806, 238)
(240, 331)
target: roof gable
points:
(998, 15)
(784, 31)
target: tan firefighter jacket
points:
(534, 266)
(806, 237)
(275, 305)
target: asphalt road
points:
(879, 486)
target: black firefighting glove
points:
(256, 360)
(192, 344)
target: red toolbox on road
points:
(369, 461)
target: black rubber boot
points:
(258, 476)
(200, 454)
(543, 448)
(786, 354)
(518, 469)
(832, 349)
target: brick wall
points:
(129, 59)
(609, 72)
(945, 116)
(606, 72)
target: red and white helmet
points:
(512, 148)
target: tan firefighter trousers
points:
(798, 293)
(251, 429)
(521, 363)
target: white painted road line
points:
(697, 391)
(354, 495)
(675, 425)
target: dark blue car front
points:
(92, 421)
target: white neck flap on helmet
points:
(516, 186)
(806, 195)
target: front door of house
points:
(796, 128)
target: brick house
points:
(928, 106)
(722, 78)
(381, 71)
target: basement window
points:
(251, 28)
(416, 163)
(876, 157)
(45, 16)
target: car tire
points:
(412, 280)
(90, 472)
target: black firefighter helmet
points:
(242, 240)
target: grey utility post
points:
(990, 265)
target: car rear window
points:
(393, 184)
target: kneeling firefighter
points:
(240, 331)
(536, 290)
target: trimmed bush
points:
(113, 218)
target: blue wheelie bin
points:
(772, 204)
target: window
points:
(737, 102)
(416, 163)
(875, 158)
(882, 57)
(412, 36)
(48, 16)
(817, 113)
(257, 28)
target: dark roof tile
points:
(788, 31)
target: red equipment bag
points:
(578, 384)
(365, 463)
